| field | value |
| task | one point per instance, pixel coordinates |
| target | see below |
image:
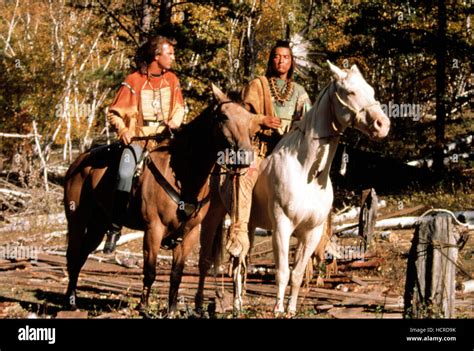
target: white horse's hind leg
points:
(281, 248)
(307, 244)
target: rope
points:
(442, 210)
(439, 245)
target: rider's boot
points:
(238, 243)
(118, 212)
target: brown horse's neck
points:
(193, 153)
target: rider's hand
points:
(171, 124)
(126, 137)
(271, 122)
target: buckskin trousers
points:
(238, 244)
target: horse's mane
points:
(305, 122)
(200, 122)
(193, 134)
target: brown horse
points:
(170, 199)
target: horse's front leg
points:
(180, 253)
(211, 230)
(281, 248)
(151, 246)
(307, 243)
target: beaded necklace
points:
(281, 98)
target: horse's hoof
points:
(291, 314)
(278, 310)
(143, 311)
(145, 314)
(237, 313)
(279, 315)
(69, 307)
(200, 313)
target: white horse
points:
(293, 194)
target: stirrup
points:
(111, 242)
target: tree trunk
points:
(145, 22)
(440, 88)
(165, 12)
(250, 51)
(368, 217)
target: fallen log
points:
(353, 213)
(21, 223)
(72, 315)
(465, 216)
(14, 266)
(14, 193)
(358, 281)
(467, 286)
(403, 212)
(389, 223)
(19, 136)
(375, 263)
(400, 223)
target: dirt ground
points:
(110, 285)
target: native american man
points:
(277, 101)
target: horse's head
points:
(354, 103)
(235, 125)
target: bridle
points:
(338, 128)
(356, 118)
(228, 170)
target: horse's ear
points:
(219, 95)
(355, 69)
(337, 73)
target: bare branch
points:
(118, 22)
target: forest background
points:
(61, 63)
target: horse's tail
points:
(320, 251)
(70, 205)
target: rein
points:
(188, 208)
(243, 171)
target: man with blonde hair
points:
(149, 102)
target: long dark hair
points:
(270, 70)
(147, 52)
